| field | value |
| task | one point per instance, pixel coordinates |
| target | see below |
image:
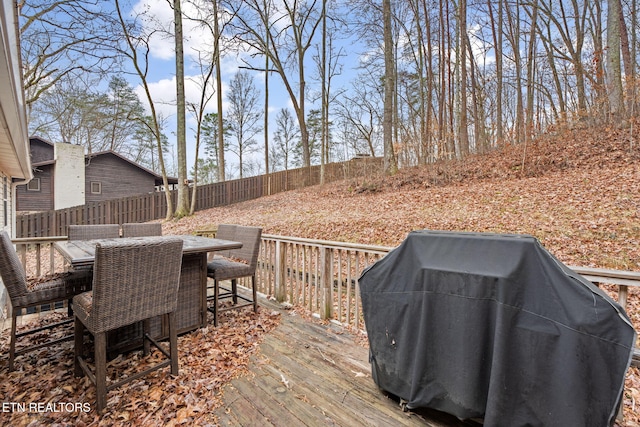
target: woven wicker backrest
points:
(94, 231)
(138, 230)
(225, 232)
(135, 280)
(250, 238)
(11, 270)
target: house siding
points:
(117, 177)
(37, 200)
(40, 151)
(5, 203)
(6, 223)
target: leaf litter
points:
(576, 190)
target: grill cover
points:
(494, 327)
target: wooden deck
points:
(314, 374)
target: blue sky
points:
(163, 85)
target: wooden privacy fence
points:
(153, 206)
(142, 208)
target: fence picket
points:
(149, 207)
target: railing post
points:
(52, 259)
(38, 259)
(280, 279)
(623, 294)
(326, 279)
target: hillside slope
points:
(578, 192)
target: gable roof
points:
(48, 144)
(88, 157)
(33, 139)
(158, 177)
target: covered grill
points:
(494, 327)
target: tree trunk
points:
(496, 31)
(614, 71)
(513, 19)
(626, 56)
(132, 53)
(390, 165)
(463, 130)
(531, 71)
(323, 114)
(220, 134)
(182, 206)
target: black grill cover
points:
(493, 326)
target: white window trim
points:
(96, 183)
(33, 181)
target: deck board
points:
(315, 374)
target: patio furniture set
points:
(133, 291)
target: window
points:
(34, 185)
(96, 187)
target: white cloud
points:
(160, 15)
(163, 93)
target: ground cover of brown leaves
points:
(576, 190)
(208, 358)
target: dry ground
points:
(578, 191)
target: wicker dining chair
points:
(224, 232)
(234, 264)
(93, 231)
(141, 229)
(133, 281)
(60, 288)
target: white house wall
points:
(15, 161)
(69, 176)
(6, 203)
(14, 143)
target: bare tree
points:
(244, 115)
(182, 205)
(208, 62)
(614, 70)
(286, 45)
(463, 130)
(390, 165)
(359, 113)
(136, 48)
(198, 111)
(62, 38)
(217, 35)
(75, 110)
(285, 138)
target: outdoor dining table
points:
(192, 293)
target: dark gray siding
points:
(118, 178)
(37, 200)
(40, 151)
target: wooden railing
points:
(43, 259)
(323, 275)
(319, 275)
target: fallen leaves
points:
(578, 192)
(209, 358)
